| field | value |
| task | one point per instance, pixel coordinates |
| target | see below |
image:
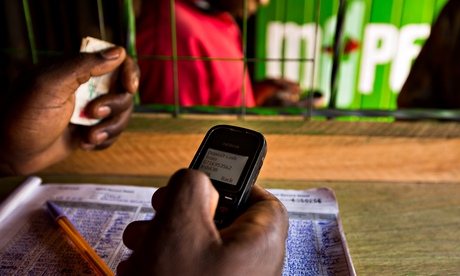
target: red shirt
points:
(199, 34)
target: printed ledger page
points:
(31, 243)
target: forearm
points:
(18, 162)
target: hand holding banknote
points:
(35, 113)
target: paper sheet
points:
(30, 242)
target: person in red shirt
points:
(210, 67)
(202, 32)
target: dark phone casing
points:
(240, 141)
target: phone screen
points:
(223, 166)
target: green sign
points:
(381, 39)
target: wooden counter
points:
(398, 184)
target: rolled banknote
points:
(95, 87)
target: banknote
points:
(95, 87)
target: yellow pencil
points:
(77, 239)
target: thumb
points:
(87, 65)
(99, 63)
(78, 69)
(182, 228)
(57, 80)
(190, 197)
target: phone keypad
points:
(227, 197)
(224, 215)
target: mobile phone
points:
(232, 158)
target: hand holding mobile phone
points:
(232, 158)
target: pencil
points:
(77, 239)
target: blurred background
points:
(377, 42)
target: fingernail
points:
(103, 111)
(264, 2)
(111, 53)
(87, 147)
(101, 137)
(135, 83)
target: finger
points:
(288, 85)
(130, 74)
(182, 228)
(123, 267)
(105, 142)
(260, 231)
(267, 207)
(77, 70)
(158, 198)
(133, 237)
(109, 104)
(135, 233)
(264, 208)
(58, 80)
(259, 194)
(105, 133)
(190, 194)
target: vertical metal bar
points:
(282, 59)
(337, 49)
(315, 62)
(129, 20)
(245, 66)
(174, 58)
(130, 24)
(30, 31)
(100, 12)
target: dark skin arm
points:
(433, 79)
(182, 238)
(35, 114)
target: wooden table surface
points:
(398, 184)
